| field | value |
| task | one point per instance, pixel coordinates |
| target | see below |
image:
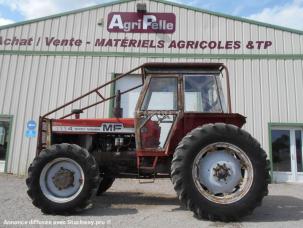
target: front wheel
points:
(219, 172)
(105, 183)
(62, 179)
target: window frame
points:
(281, 126)
(219, 91)
(10, 120)
(149, 78)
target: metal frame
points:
(143, 74)
(113, 90)
(43, 119)
(96, 90)
(179, 113)
(140, 102)
(11, 118)
(218, 66)
(150, 113)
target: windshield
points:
(203, 93)
(161, 94)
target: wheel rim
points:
(61, 180)
(222, 173)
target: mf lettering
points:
(110, 127)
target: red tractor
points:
(183, 129)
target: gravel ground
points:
(130, 204)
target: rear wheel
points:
(219, 172)
(62, 179)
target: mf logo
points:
(111, 127)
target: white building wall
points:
(190, 25)
(265, 89)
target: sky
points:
(287, 13)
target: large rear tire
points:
(62, 179)
(220, 172)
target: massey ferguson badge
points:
(141, 22)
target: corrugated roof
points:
(300, 32)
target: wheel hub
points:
(63, 179)
(221, 171)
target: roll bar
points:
(219, 66)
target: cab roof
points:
(181, 67)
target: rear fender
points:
(192, 120)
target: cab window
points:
(161, 94)
(203, 93)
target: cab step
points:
(146, 174)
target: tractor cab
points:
(173, 93)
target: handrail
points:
(103, 99)
(96, 90)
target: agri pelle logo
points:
(141, 22)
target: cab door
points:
(157, 111)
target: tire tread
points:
(179, 164)
(50, 153)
